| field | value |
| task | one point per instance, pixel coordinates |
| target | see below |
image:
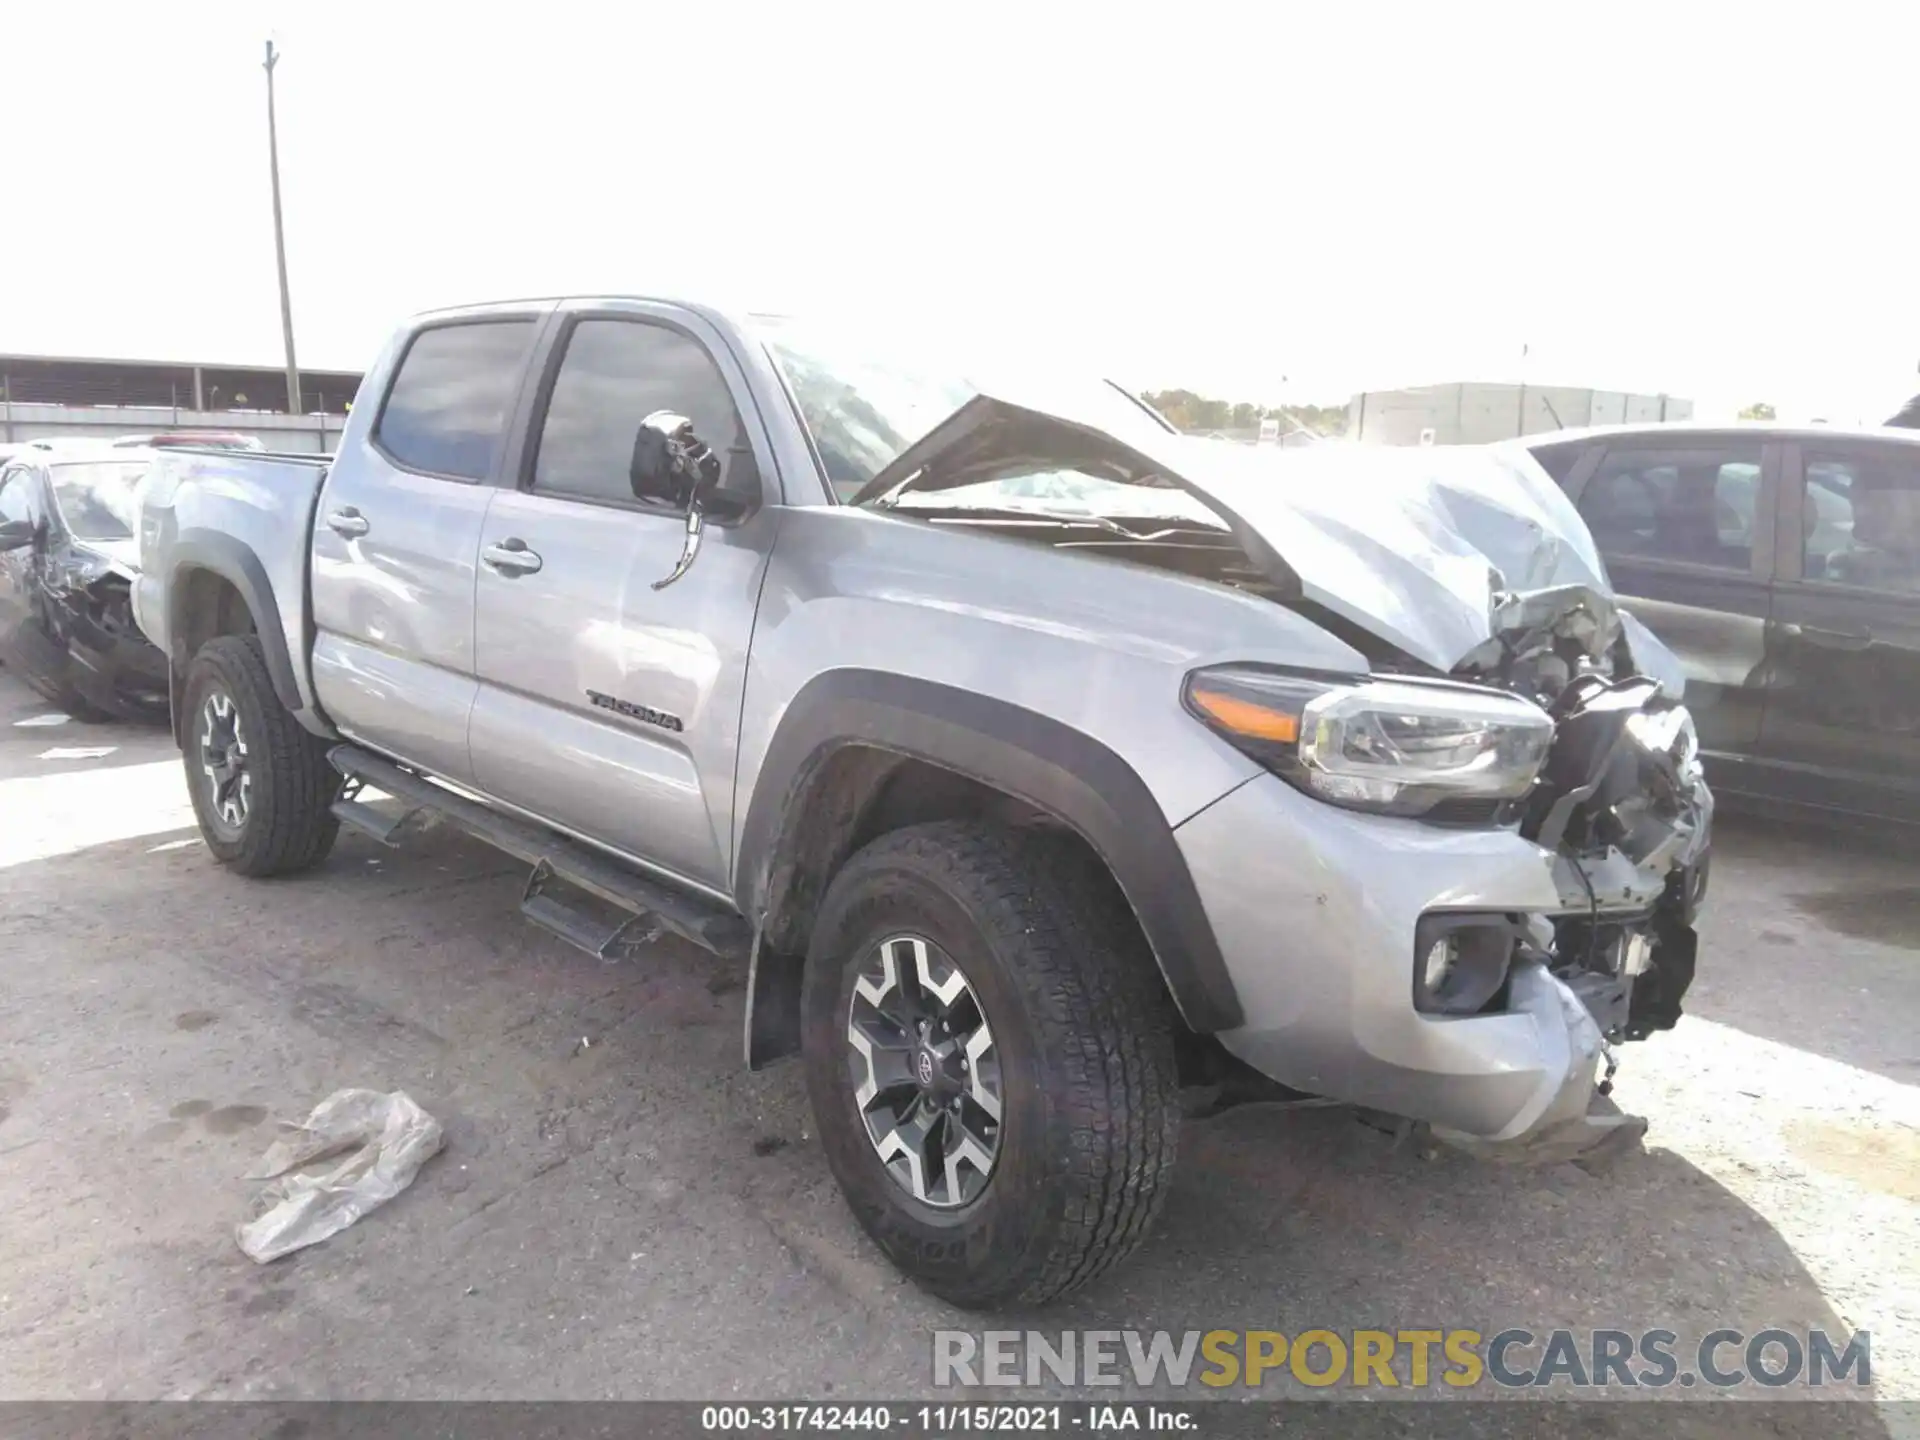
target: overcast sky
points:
(1261, 202)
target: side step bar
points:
(653, 907)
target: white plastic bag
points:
(390, 1138)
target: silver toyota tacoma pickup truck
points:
(1052, 774)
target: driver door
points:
(607, 707)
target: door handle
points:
(510, 557)
(1849, 639)
(348, 523)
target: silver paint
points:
(479, 673)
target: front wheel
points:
(989, 1055)
(261, 785)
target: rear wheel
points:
(989, 1054)
(261, 785)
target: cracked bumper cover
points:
(1315, 910)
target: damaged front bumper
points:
(1574, 1121)
(109, 663)
(1317, 911)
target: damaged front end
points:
(1622, 805)
(97, 651)
(1620, 800)
(1442, 569)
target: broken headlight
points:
(1392, 746)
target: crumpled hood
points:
(1436, 550)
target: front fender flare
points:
(1030, 756)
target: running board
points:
(388, 830)
(655, 907)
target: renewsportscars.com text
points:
(1411, 1358)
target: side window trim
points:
(1762, 564)
(1790, 536)
(552, 355)
(534, 319)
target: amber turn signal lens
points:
(1243, 717)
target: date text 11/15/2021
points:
(948, 1419)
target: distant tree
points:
(1759, 411)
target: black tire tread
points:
(1103, 1012)
(293, 826)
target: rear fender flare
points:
(230, 560)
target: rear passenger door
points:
(1687, 534)
(1843, 716)
(607, 706)
(396, 541)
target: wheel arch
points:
(218, 587)
(859, 752)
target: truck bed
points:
(251, 510)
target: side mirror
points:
(671, 464)
(16, 534)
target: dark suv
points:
(1782, 565)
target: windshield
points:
(864, 403)
(98, 501)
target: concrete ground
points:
(621, 1211)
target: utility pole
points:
(280, 242)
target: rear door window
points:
(448, 408)
(1692, 507)
(1862, 519)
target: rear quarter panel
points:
(231, 512)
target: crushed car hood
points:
(1436, 550)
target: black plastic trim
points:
(227, 557)
(1029, 756)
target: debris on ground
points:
(389, 1137)
(78, 752)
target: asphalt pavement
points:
(622, 1212)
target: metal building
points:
(1466, 413)
(56, 397)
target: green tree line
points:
(1202, 412)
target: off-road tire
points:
(1084, 1030)
(289, 825)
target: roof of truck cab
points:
(680, 302)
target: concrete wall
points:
(294, 433)
(1469, 414)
